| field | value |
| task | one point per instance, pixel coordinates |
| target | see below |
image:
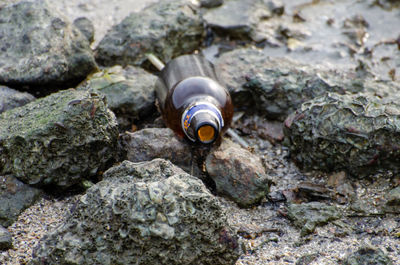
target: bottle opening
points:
(202, 123)
(206, 133)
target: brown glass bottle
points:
(192, 101)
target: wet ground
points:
(340, 33)
(336, 34)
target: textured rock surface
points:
(40, 48)
(15, 196)
(151, 143)
(166, 29)
(237, 18)
(359, 133)
(143, 213)
(393, 201)
(58, 139)
(5, 239)
(307, 216)
(368, 255)
(275, 87)
(86, 27)
(11, 98)
(237, 173)
(129, 92)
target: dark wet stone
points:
(59, 139)
(307, 216)
(258, 126)
(308, 191)
(41, 49)
(358, 133)
(237, 173)
(166, 29)
(143, 213)
(151, 143)
(238, 19)
(11, 98)
(86, 27)
(275, 87)
(368, 255)
(393, 201)
(129, 92)
(5, 239)
(15, 197)
(210, 3)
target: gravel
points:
(33, 224)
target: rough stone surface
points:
(275, 87)
(393, 201)
(15, 197)
(129, 92)
(39, 48)
(58, 139)
(237, 18)
(11, 98)
(143, 213)
(237, 173)
(306, 259)
(86, 27)
(150, 143)
(307, 216)
(368, 255)
(166, 29)
(5, 239)
(359, 133)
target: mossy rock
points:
(58, 139)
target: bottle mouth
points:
(207, 133)
(202, 123)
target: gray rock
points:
(11, 98)
(40, 48)
(368, 255)
(166, 29)
(86, 27)
(15, 197)
(210, 3)
(58, 139)
(5, 239)
(143, 213)
(129, 92)
(307, 216)
(237, 173)
(358, 133)
(393, 201)
(150, 143)
(275, 87)
(238, 19)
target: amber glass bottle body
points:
(188, 81)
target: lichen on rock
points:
(129, 92)
(58, 139)
(359, 133)
(143, 213)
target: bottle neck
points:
(202, 122)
